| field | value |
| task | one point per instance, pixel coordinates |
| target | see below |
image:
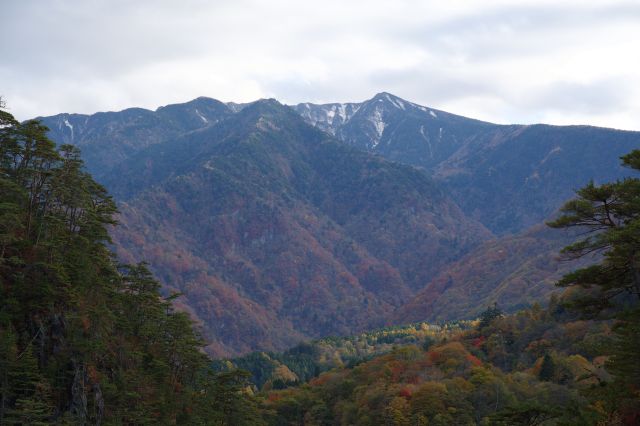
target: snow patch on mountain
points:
(426, 138)
(330, 114)
(69, 125)
(342, 112)
(555, 150)
(327, 117)
(378, 123)
(202, 117)
(235, 107)
(396, 102)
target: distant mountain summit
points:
(509, 177)
(391, 126)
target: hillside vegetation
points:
(536, 367)
(83, 339)
(573, 363)
(307, 360)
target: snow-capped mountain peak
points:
(391, 100)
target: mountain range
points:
(485, 167)
(282, 223)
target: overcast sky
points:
(562, 62)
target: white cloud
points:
(503, 61)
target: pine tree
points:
(609, 215)
(625, 357)
(490, 314)
(30, 392)
(547, 369)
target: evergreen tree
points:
(547, 369)
(491, 313)
(609, 214)
(625, 357)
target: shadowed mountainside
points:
(513, 271)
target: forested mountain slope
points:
(512, 271)
(275, 232)
(84, 339)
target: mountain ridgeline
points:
(108, 138)
(509, 177)
(279, 224)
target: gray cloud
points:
(598, 97)
(568, 62)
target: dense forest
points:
(83, 339)
(539, 366)
(574, 362)
(299, 364)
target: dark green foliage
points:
(625, 359)
(610, 215)
(525, 414)
(24, 385)
(81, 340)
(489, 315)
(234, 410)
(547, 369)
(428, 342)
